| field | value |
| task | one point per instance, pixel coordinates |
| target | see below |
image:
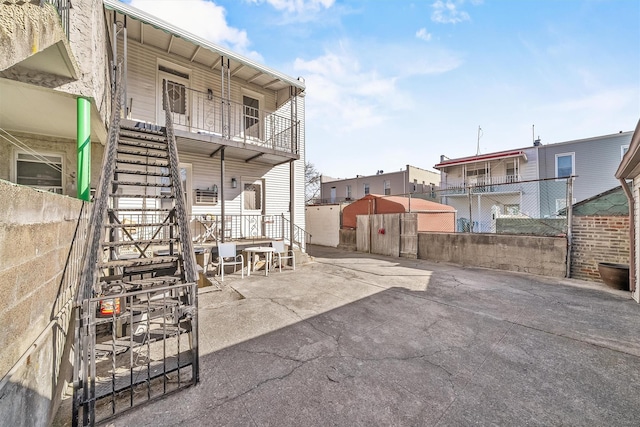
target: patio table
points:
(255, 250)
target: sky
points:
(395, 82)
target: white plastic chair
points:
(227, 256)
(281, 253)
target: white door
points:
(178, 92)
(252, 208)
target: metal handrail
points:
(63, 7)
(205, 113)
(208, 228)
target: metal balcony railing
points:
(481, 185)
(63, 7)
(210, 114)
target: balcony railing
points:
(62, 6)
(213, 115)
(494, 184)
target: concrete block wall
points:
(545, 256)
(36, 231)
(598, 239)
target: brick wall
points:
(598, 239)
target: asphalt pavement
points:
(352, 339)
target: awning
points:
(482, 158)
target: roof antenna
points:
(479, 135)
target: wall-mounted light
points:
(234, 183)
(209, 94)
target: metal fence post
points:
(569, 223)
(470, 208)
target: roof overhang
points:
(483, 158)
(630, 165)
(150, 30)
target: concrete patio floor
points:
(358, 340)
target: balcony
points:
(220, 119)
(495, 184)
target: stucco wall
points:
(323, 223)
(43, 144)
(545, 256)
(36, 231)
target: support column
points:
(83, 133)
(222, 200)
(292, 198)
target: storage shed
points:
(432, 216)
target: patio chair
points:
(227, 255)
(281, 253)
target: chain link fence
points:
(537, 207)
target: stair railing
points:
(189, 260)
(300, 236)
(84, 351)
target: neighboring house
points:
(629, 169)
(512, 183)
(239, 125)
(411, 180)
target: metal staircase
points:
(136, 323)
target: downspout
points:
(632, 235)
(83, 133)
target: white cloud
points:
(422, 34)
(353, 88)
(298, 7)
(202, 18)
(447, 12)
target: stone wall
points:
(598, 239)
(36, 232)
(545, 256)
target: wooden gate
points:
(409, 235)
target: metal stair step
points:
(153, 282)
(142, 184)
(140, 210)
(161, 164)
(140, 225)
(142, 153)
(141, 172)
(142, 135)
(140, 196)
(147, 130)
(149, 145)
(140, 262)
(139, 242)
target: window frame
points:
(49, 188)
(366, 188)
(386, 186)
(573, 164)
(623, 150)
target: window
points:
(42, 171)
(565, 165)
(366, 189)
(475, 176)
(348, 192)
(512, 171)
(252, 196)
(387, 187)
(623, 150)
(512, 209)
(333, 194)
(177, 96)
(251, 116)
